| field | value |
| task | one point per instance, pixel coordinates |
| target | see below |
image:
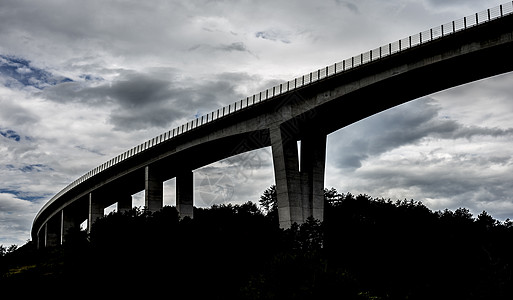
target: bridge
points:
(305, 109)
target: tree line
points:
(7, 250)
(366, 248)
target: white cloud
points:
(16, 217)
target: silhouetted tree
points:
(7, 250)
(268, 200)
(332, 197)
(485, 220)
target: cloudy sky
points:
(83, 81)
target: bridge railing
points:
(298, 82)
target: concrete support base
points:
(185, 194)
(300, 193)
(313, 161)
(153, 190)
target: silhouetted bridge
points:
(304, 109)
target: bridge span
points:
(304, 109)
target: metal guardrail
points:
(343, 66)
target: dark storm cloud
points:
(139, 100)
(136, 90)
(188, 99)
(153, 102)
(128, 89)
(143, 100)
(134, 99)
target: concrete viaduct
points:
(304, 109)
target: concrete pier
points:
(185, 194)
(287, 177)
(313, 162)
(96, 208)
(69, 219)
(153, 190)
(53, 231)
(300, 191)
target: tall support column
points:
(45, 234)
(288, 182)
(68, 220)
(41, 237)
(306, 180)
(313, 161)
(185, 194)
(125, 203)
(95, 210)
(53, 231)
(153, 190)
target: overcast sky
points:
(83, 81)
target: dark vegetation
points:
(365, 249)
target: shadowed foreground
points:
(365, 249)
